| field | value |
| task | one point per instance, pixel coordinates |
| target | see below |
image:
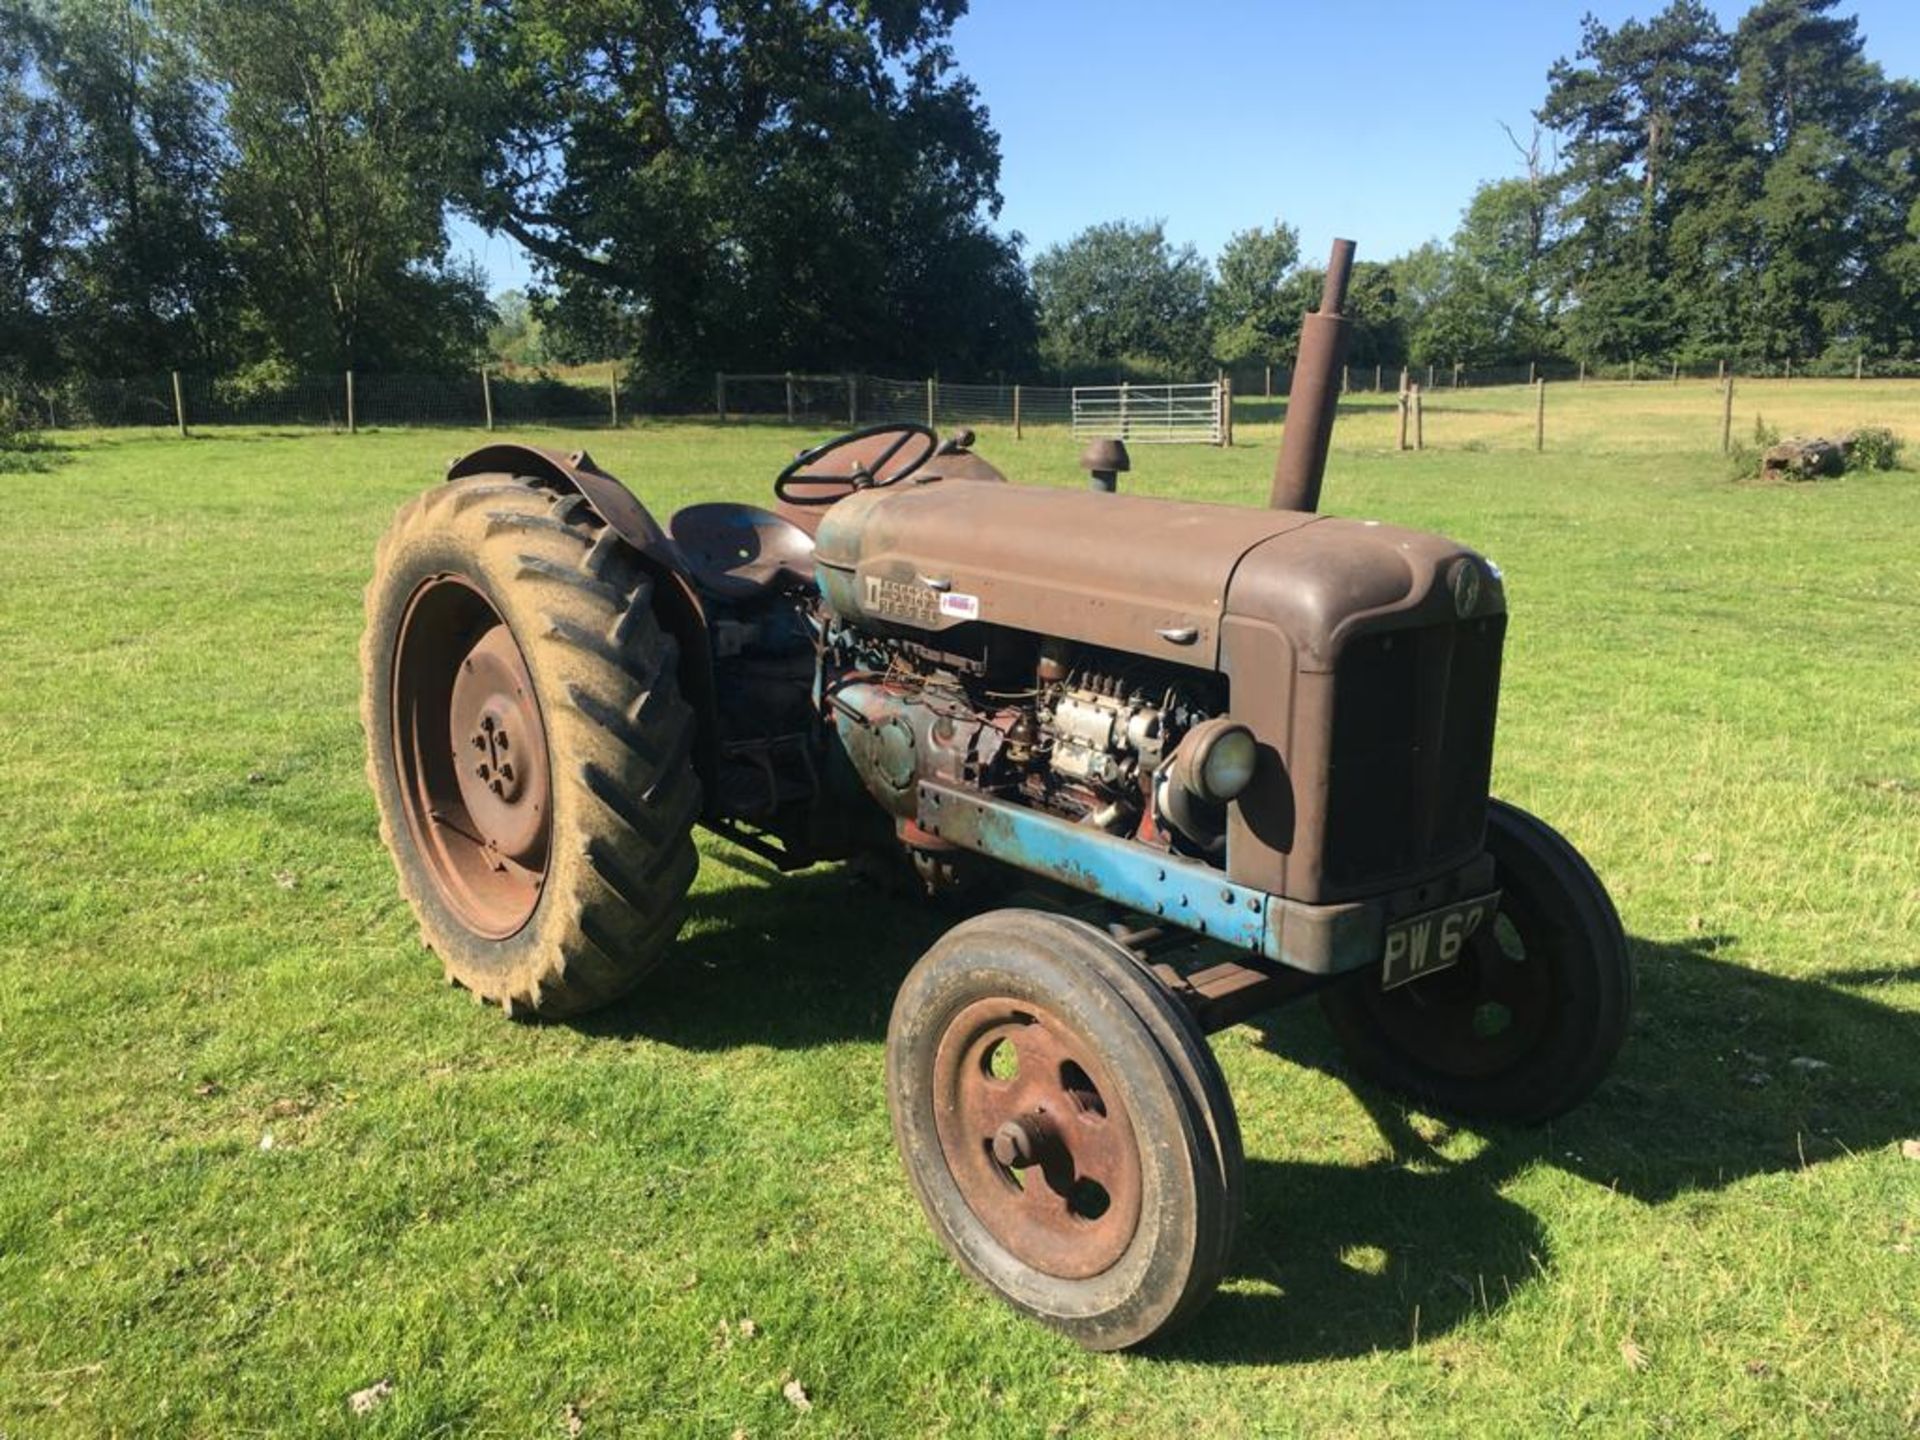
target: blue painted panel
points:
(1185, 893)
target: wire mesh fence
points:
(858, 399)
(1370, 377)
(1490, 407)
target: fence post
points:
(1789, 367)
(1583, 372)
(486, 395)
(931, 396)
(1726, 418)
(1269, 382)
(1346, 378)
(352, 426)
(853, 402)
(1859, 365)
(179, 406)
(1532, 373)
(1456, 374)
(1540, 416)
(1016, 412)
(719, 397)
(613, 394)
(789, 397)
(1723, 368)
(1419, 422)
(1406, 409)
(52, 422)
(1376, 379)
(1429, 375)
(1676, 372)
(1226, 410)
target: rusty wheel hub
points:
(1036, 1137)
(501, 768)
(472, 754)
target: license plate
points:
(1422, 944)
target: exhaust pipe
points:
(1315, 393)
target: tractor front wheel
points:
(1530, 1019)
(1064, 1126)
(527, 744)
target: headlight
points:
(1466, 587)
(1216, 760)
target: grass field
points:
(255, 1157)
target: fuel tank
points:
(1136, 573)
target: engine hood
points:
(1130, 572)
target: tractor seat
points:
(737, 552)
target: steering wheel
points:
(859, 460)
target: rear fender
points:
(676, 604)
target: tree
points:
(349, 122)
(35, 215)
(1252, 320)
(754, 183)
(1806, 105)
(1479, 301)
(1644, 111)
(1122, 292)
(517, 334)
(132, 271)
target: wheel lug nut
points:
(506, 772)
(479, 742)
(495, 787)
(482, 771)
(487, 723)
(500, 736)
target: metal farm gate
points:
(1151, 414)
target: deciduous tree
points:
(1252, 317)
(755, 183)
(1121, 292)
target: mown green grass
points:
(1711, 687)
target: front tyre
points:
(527, 744)
(1064, 1126)
(1529, 1021)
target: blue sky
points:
(1369, 120)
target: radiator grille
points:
(1412, 752)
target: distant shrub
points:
(1873, 447)
(1743, 460)
(21, 444)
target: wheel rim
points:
(471, 750)
(1488, 1012)
(1036, 1137)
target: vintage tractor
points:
(1264, 733)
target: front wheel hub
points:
(1033, 1132)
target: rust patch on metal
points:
(471, 750)
(1035, 1134)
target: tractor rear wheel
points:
(527, 744)
(1065, 1126)
(1528, 1022)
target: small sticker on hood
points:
(961, 607)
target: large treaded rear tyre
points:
(601, 892)
(1530, 1020)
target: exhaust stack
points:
(1315, 392)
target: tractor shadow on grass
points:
(1341, 1260)
(791, 961)
(1344, 1260)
